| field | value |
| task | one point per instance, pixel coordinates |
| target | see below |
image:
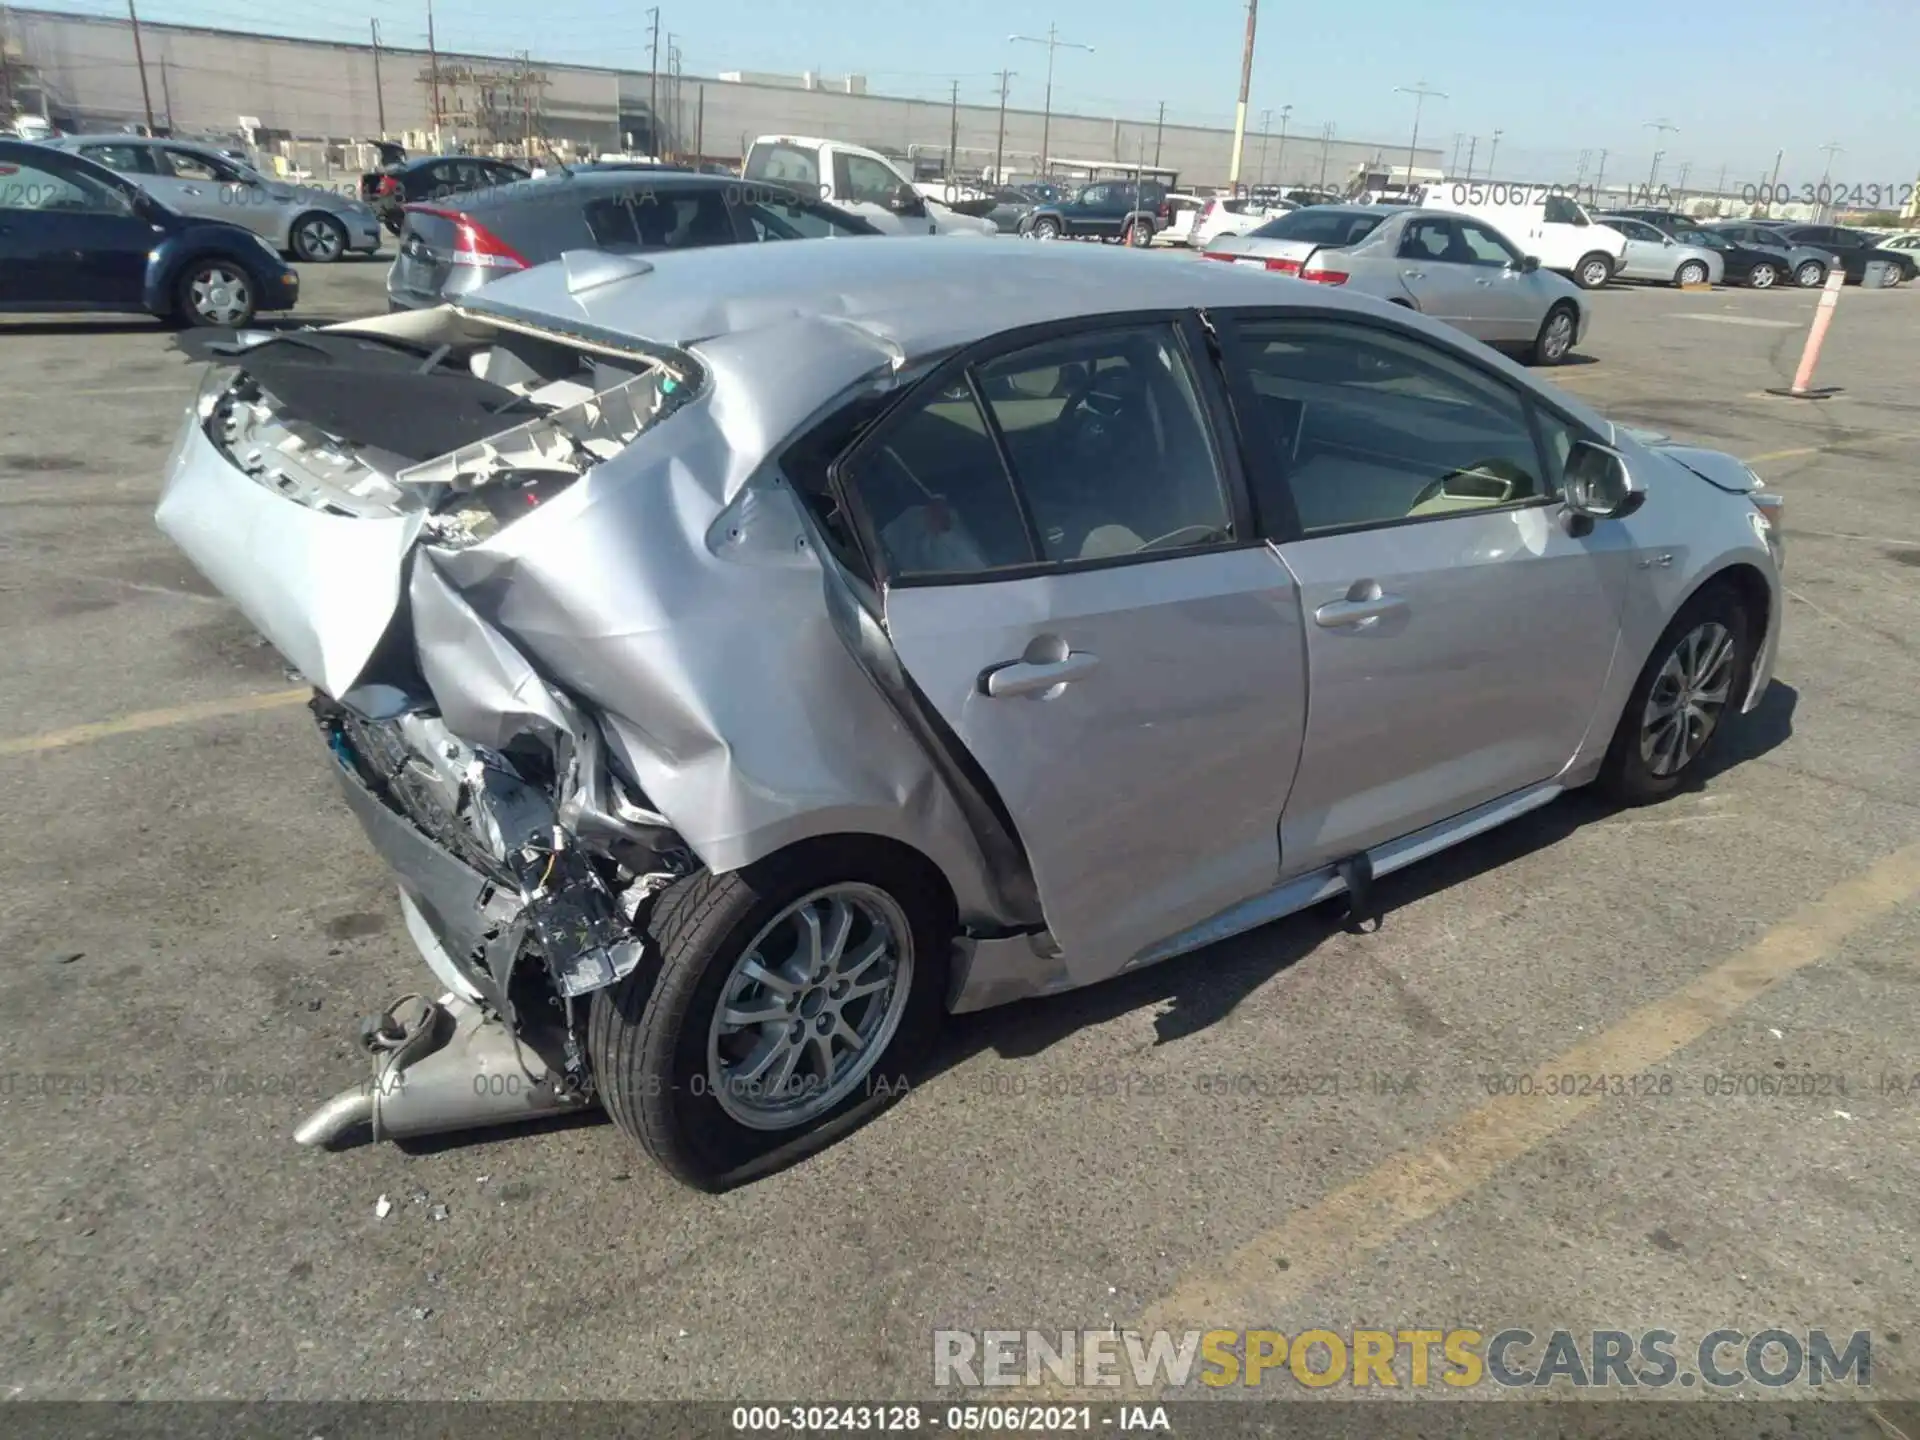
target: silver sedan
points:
(745, 656)
(1453, 267)
(1652, 254)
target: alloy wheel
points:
(1594, 276)
(1688, 698)
(1693, 273)
(220, 296)
(1559, 337)
(810, 1006)
(1810, 274)
(319, 239)
(1762, 277)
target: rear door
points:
(1072, 581)
(1430, 268)
(1458, 636)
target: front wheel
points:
(214, 293)
(1555, 340)
(781, 1005)
(1046, 228)
(1695, 677)
(1810, 275)
(1692, 272)
(1593, 271)
(1762, 276)
(318, 239)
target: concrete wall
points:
(324, 90)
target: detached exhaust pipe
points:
(438, 1068)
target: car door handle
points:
(1414, 274)
(1351, 614)
(189, 189)
(1026, 677)
(1483, 281)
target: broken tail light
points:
(1325, 277)
(387, 186)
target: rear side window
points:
(1320, 227)
(659, 220)
(127, 159)
(771, 217)
(1090, 447)
(788, 164)
(1562, 211)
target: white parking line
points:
(1738, 320)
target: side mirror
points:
(904, 201)
(1598, 485)
(1666, 240)
(1529, 264)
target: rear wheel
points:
(1140, 234)
(1555, 340)
(214, 293)
(1695, 678)
(1810, 274)
(1593, 271)
(786, 1004)
(1692, 272)
(1762, 276)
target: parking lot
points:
(1299, 1128)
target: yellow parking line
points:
(1783, 454)
(151, 720)
(1352, 1224)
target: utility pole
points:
(6, 70)
(1600, 177)
(433, 70)
(1326, 139)
(1000, 140)
(1773, 185)
(953, 135)
(1473, 146)
(1580, 168)
(1686, 169)
(1246, 85)
(379, 91)
(140, 59)
(1421, 93)
(1720, 185)
(1159, 125)
(526, 97)
(1280, 157)
(166, 92)
(1266, 124)
(673, 95)
(1453, 166)
(1659, 127)
(1493, 149)
(653, 89)
(1053, 42)
(699, 124)
(1823, 195)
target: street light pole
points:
(1000, 141)
(1420, 93)
(1266, 125)
(1240, 110)
(1493, 150)
(1053, 42)
(1326, 139)
(1473, 148)
(1659, 127)
(1824, 196)
(1280, 156)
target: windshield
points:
(1320, 226)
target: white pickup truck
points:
(859, 180)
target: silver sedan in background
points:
(1652, 254)
(1453, 267)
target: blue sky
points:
(1740, 80)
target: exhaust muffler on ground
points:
(439, 1067)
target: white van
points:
(1542, 221)
(857, 179)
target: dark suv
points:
(1852, 248)
(431, 177)
(1133, 211)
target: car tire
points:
(214, 292)
(661, 1059)
(1691, 272)
(1639, 767)
(1046, 228)
(1558, 331)
(1810, 275)
(1140, 234)
(1762, 276)
(1593, 271)
(317, 238)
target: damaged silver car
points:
(743, 659)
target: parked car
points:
(430, 178)
(1557, 228)
(1235, 215)
(1910, 240)
(1128, 210)
(310, 223)
(1653, 254)
(1807, 264)
(898, 629)
(449, 249)
(1759, 269)
(1455, 268)
(76, 236)
(860, 181)
(1011, 205)
(1851, 249)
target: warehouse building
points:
(207, 81)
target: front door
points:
(1458, 636)
(1501, 302)
(215, 190)
(1074, 586)
(69, 240)
(1646, 254)
(1430, 251)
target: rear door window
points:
(655, 219)
(1562, 211)
(127, 159)
(1320, 227)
